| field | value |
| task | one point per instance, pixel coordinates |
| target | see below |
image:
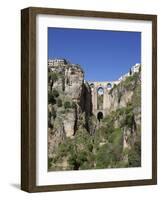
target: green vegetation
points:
(134, 158)
(53, 76)
(51, 99)
(136, 100)
(78, 151)
(96, 144)
(52, 96)
(134, 154)
(128, 82)
(67, 104)
(50, 160)
(55, 93)
(105, 148)
(59, 102)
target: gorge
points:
(92, 125)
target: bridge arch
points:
(109, 85)
(100, 97)
(100, 116)
(100, 90)
(92, 85)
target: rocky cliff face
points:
(69, 102)
(123, 93)
(124, 96)
(76, 139)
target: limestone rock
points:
(69, 124)
(68, 80)
(73, 109)
(74, 78)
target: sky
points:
(103, 55)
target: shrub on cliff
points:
(53, 76)
(55, 93)
(103, 157)
(51, 99)
(50, 161)
(134, 155)
(67, 104)
(52, 96)
(136, 98)
(59, 102)
(134, 159)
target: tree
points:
(53, 76)
(51, 99)
(67, 104)
(59, 102)
(134, 159)
(55, 93)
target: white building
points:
(135, 68)
(57, 62)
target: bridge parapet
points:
(106, 85)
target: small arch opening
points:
(91, 85)
(100, 91)
(109, 85)
(100, 94)
(100, 116)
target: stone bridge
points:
(100, 95)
